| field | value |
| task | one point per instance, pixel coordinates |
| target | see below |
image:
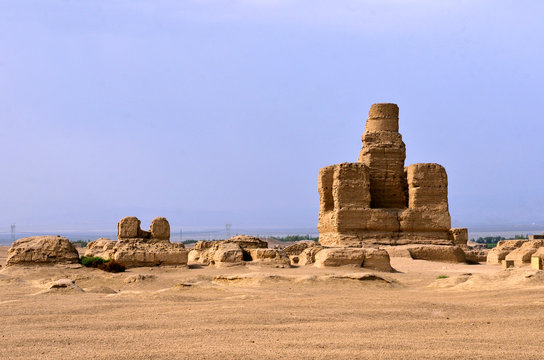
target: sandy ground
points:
(249, 312)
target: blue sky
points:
(209, 112)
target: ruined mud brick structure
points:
(136, 247)
(129, 228)
(379, 201)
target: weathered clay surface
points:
(503, 248)
(143, 252)
(248, 242)
(65, 284)
(129, 228)
(453, 254)
(298, 247)
(42, 250)
(307, 256)
(522, 255)
(459, 236)
(274, 257)
(101, 247)
(377, 201)
(377, 259)
(474, 256)
(136, 247)
(227, 254)
(340, 257)
(160, 229)
(384, 153)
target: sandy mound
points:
(263, 278)
(42, 250)
(138, 278)
(101, 290)
(62, 286)
(508, 278)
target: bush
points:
(102, 264)
(92, 261)
(112, 266)
(442, 277)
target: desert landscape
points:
(478, 312)
(388, 278)
(271, 179)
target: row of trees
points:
(294, 238)
(496, 239)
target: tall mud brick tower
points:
(378, 201)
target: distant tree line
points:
(496, 239)
(491, 241)
(295, 238)
(80, 243)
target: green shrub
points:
(92, 261)
(102, 264)
(442, 277)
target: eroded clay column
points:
(384, 153)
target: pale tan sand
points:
(302, 313)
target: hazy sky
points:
(209, 112)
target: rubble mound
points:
(503, 248)
(42, 250)
(371, 258)
(475, 256)
(307, 256)
(135, 247)
(247, 242)
(226, 254)
(452, 254)
(237, 250)
(439, 253)
(65, 285)
(298, 247)
(522, 255)
(101, 247)
(276, 257)
(140, 252)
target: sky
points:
(211, 112)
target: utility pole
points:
(12, 232)
(227, 230)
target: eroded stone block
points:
(427, 186)
(160, 229)
(459, 236)
(128, 228)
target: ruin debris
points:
(136, 247)
(378, 201)
(42, 250)
(238, 250)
